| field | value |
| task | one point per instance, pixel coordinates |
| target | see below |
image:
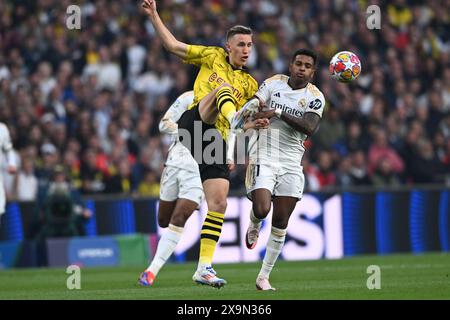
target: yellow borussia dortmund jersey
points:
(215, 70)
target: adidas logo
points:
(277, 95)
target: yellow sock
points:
(225, 102)
(212, 226)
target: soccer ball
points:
(345, 66)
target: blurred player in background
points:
(11, 166)
(181, 189)
(294, 107)
(221, 88)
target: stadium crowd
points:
(91, 99)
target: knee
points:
(261, 209)
(208, 111)
(209, 117)
(218, 204)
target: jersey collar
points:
(244, 68)
(298, 88)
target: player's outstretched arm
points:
(168, 123)
(169, 41)
(306, 124)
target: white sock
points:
(201, 266)
(166, 246)
(273, 249)
(254, 221)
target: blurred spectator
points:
(400, 14)
(446, 159)
(355, 139)
(92, 178)
(44, 169)
(62, 213)
(46, 81)
(381, 150)
(444, 126)
(142, 166)
(435, 113)
(359, 169)
(311, 181)
(425, 166)
(384, 175)
(120, 182)
(343, 175)
(156, 81)
(331, 130)
(394, 132)
(324, 173)
(135, 56)
(149, 186)
(106, 71)
(25, 182)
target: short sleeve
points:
(201, 55)
(264, 91)
(316, 105)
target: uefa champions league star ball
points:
(345, 66)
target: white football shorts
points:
(279, 182)
(180, 183)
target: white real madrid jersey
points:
(281, 144)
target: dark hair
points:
(305, 52)
(238, 29)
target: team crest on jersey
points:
(302, 103)
(244, 84)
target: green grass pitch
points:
(402, 277)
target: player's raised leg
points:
(216, 191)
(282, 209)
(211, 104)
(169, 240)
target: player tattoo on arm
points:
(306, 124)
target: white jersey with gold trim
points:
(280, 144)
